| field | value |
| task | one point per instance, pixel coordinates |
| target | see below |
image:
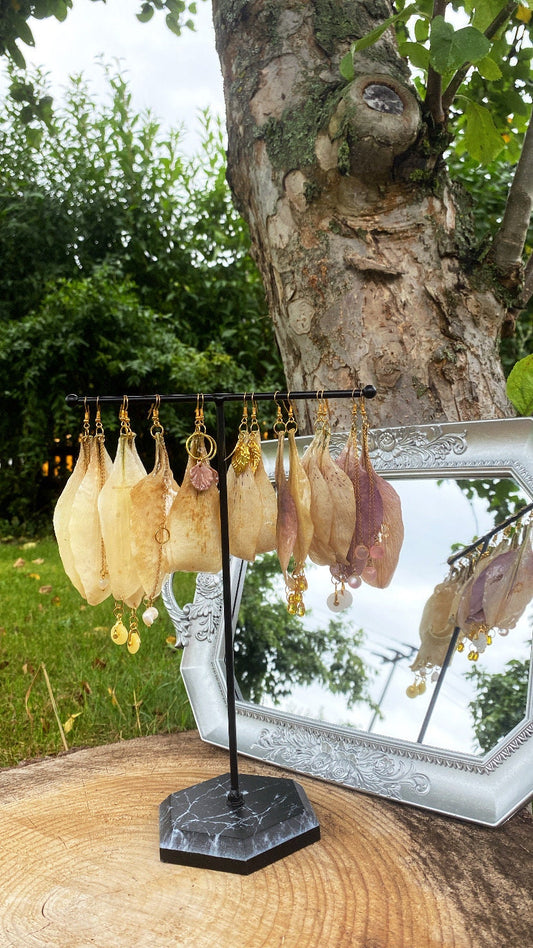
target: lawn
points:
(58, 664)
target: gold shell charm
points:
(119, 633)
(134, 642)
(203, 476)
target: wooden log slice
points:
(80, 868)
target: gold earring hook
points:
(279, 426)
(156, 427)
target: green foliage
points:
(504, 497)
(275, 651)
(107, 694)
(174, 10)
(520, 386)
(450, 48)
(14, 16)
(123, 267)
(486, 62)
(500, 703)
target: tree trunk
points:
(365, 252)
(79, 864)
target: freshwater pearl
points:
(150, 615)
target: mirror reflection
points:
(353, 668)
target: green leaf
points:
(416, 54)
(520, 386)
(422, 30)
(146, 13)
(376, 34)
(61, 10)
(486, 12)
(346, 67)
(450, 48)
(489, 69)
(482, 139)
(23, 31)
(173, 24)
(34, 137)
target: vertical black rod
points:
(451, 648)
(384, 692)
(235, 797)
(438, 684)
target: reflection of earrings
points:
(201, 448)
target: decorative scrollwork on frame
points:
(363, 767)
(200, 618)
(408, 447)
(412, 447)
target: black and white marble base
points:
(198, 827)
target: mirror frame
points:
(484, 789)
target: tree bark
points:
(364, 250)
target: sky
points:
(172, 76)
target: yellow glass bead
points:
(461, 647)
(119, 633)
(475, 656)
(489, 639)
(471, 654)
(421, 687)
(291, 608)
(411, 691)
(300, 609)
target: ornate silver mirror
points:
(353, 723)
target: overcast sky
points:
(173, 76)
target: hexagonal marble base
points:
(198, 827)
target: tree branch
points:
(456, 82)
(508, 244)
(433, 99)
(527, 288)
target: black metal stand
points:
(227, 823)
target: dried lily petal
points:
(114, 507)
(84, 525)
(194, 527)
(321, 506)
(287, 518)
(151, 500)
(63, 510)
(245, 509)
(391, 539)
(343, 504)
(300, 490)
(438, 623)
(266, 538)
(509, 587)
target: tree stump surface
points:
(79, 865)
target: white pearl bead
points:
(150, 615)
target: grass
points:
(62, 680)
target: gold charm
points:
(119, 633)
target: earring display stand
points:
(233, 823)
